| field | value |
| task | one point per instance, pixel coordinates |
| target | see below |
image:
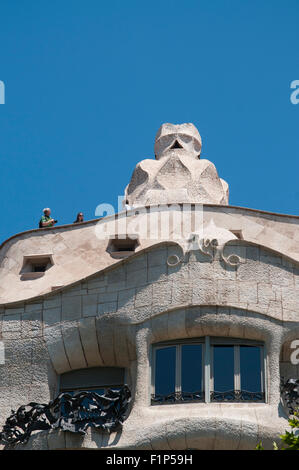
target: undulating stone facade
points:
(234, 277)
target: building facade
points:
(191, 303)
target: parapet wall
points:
(77, 252)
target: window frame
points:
(207, 378)
(178, 365)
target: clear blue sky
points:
(89, 83)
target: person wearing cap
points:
(46, 220)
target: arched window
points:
(208, 369)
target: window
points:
(93, 379)
(96, 379)
(238, 234)
(171, 376)
(122, 245)
(208, 369)
(35, 266)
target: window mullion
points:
(237, 371)
(207, 369)
(153, 372)
(178, 370)
(263, 368)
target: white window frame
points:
(207, 379)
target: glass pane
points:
(99, 391)
(191, 367)
(250, 365)
(223, 368)
(165, 371)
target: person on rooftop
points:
(80, 218)
(46, 220)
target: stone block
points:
(96, 283)
(157, 257)
(11, 326)
(247, 292)
(193, 322)
(120, 345)
(89, 305)
(116, 275)
(159, 328)
(137, 264)
(51, 316)
(107, 297)
(55, 345)
(33, 307)
(73, 345)
(176, 324)
(71, 308)
(254, 271)
(52, 302)
(104, 328)
(227, 292)
(275, 309)
(126, 299)
(108, 307)
(136, 278)
(14, 311)
(280, 275)
(201, 270)
(87, 330)
(204, 291)
(181, 293)
(32, 324)
(162, 293)
(157, 273)
(143, 296)
(140, 314)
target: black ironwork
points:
(177, 397)
(237, 396)
(289, 390)
(74, 413)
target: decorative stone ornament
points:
(178, 175)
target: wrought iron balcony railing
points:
(227, 396)
(177, 397)
(74, 413)
(237, 396)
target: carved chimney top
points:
(177, 136)
(178, 175)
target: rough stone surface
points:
(188, 302)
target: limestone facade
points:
(241, 282)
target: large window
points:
(208, 369)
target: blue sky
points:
(89, 83)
